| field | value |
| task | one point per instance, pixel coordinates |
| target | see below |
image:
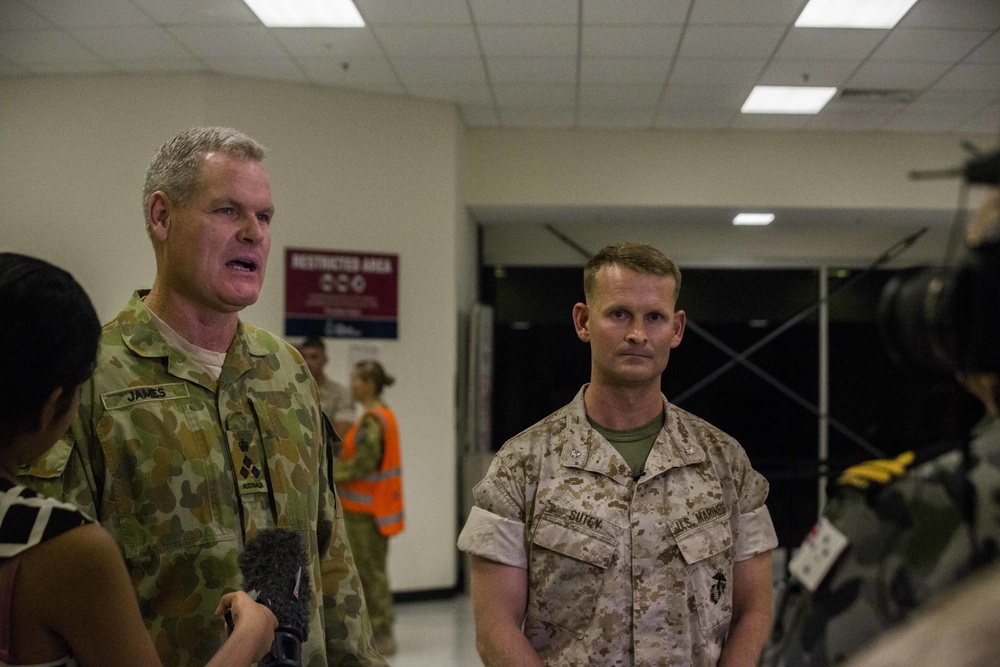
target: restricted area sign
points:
(341, 294)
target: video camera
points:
(947, 318)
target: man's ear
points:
(158, 215)
(581, 321)
(680, 322)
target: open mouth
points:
(242, 265)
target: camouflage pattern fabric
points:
(372, 548)
(909, 541)
(622, 572)
(183, 469)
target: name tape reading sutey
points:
(352, 263)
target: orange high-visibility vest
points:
(381, 492)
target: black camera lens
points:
(916, 315)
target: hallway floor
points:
(435, 633)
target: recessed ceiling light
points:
(306, 13)
(787, 99)
(753, 219)
(852, 13)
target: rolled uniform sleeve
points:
(495, 528)
(756, 530)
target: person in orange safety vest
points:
(370, 486)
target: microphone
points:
(274, 565)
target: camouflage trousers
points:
(371, 550)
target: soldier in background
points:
(196, 429)
(334, 398)
(905, 534)
(622, 530)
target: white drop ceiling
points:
(554, 63)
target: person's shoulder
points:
(682, 420)
(271, 343)
(541, 432)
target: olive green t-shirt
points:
(633, 444)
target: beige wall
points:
(348, 171)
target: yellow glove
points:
(877, 471)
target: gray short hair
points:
(176, 167)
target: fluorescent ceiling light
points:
(852, 13)
(306, 13)
(753, 219)
(787, 99)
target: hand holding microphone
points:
(274, 565)
(252, 625)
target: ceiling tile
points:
(848, 122)
(69, 67)
(969, 99)
(762, 121)
(897, 76)
(925, 45)
(829, 44)
(384, 12)
(473, 94)
(44, 46)
(440, 70)
(536, 95)
(142, 44)
(428, 41)
(10, 69)
(807, 72)
(615, 118)
(523, 41)
(635, 12)
(619, 97)
(988, 52)
(529, 117)
(624, 70)
(732, 42)
(525, 12)
(359, 73)
(532, 70)
(90, 13)
(250, 42)
(198, 12)
(281, 69)
(938, 122)
(772, 12)
(961, 14)
(160, 65)
(340, 43)
(632, 41)
(855, 105)
(15, 16)
(706, 72)
(971, 77)
(704, 97)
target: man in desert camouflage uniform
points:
(197, 430)
(621, 530)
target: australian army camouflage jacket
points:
(183, 469)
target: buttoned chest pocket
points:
(165, 470)
(707, 552)
(571, 554)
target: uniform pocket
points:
(165, 467)
(707, 551)
(570, 553)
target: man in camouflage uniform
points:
(334, 398)
(198, 430)
(621, 530)
(907, 542)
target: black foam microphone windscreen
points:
(274, 564)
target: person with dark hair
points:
(369, 479)
(197, 430)
(622, 530)
(334, 398)
(65, 595)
